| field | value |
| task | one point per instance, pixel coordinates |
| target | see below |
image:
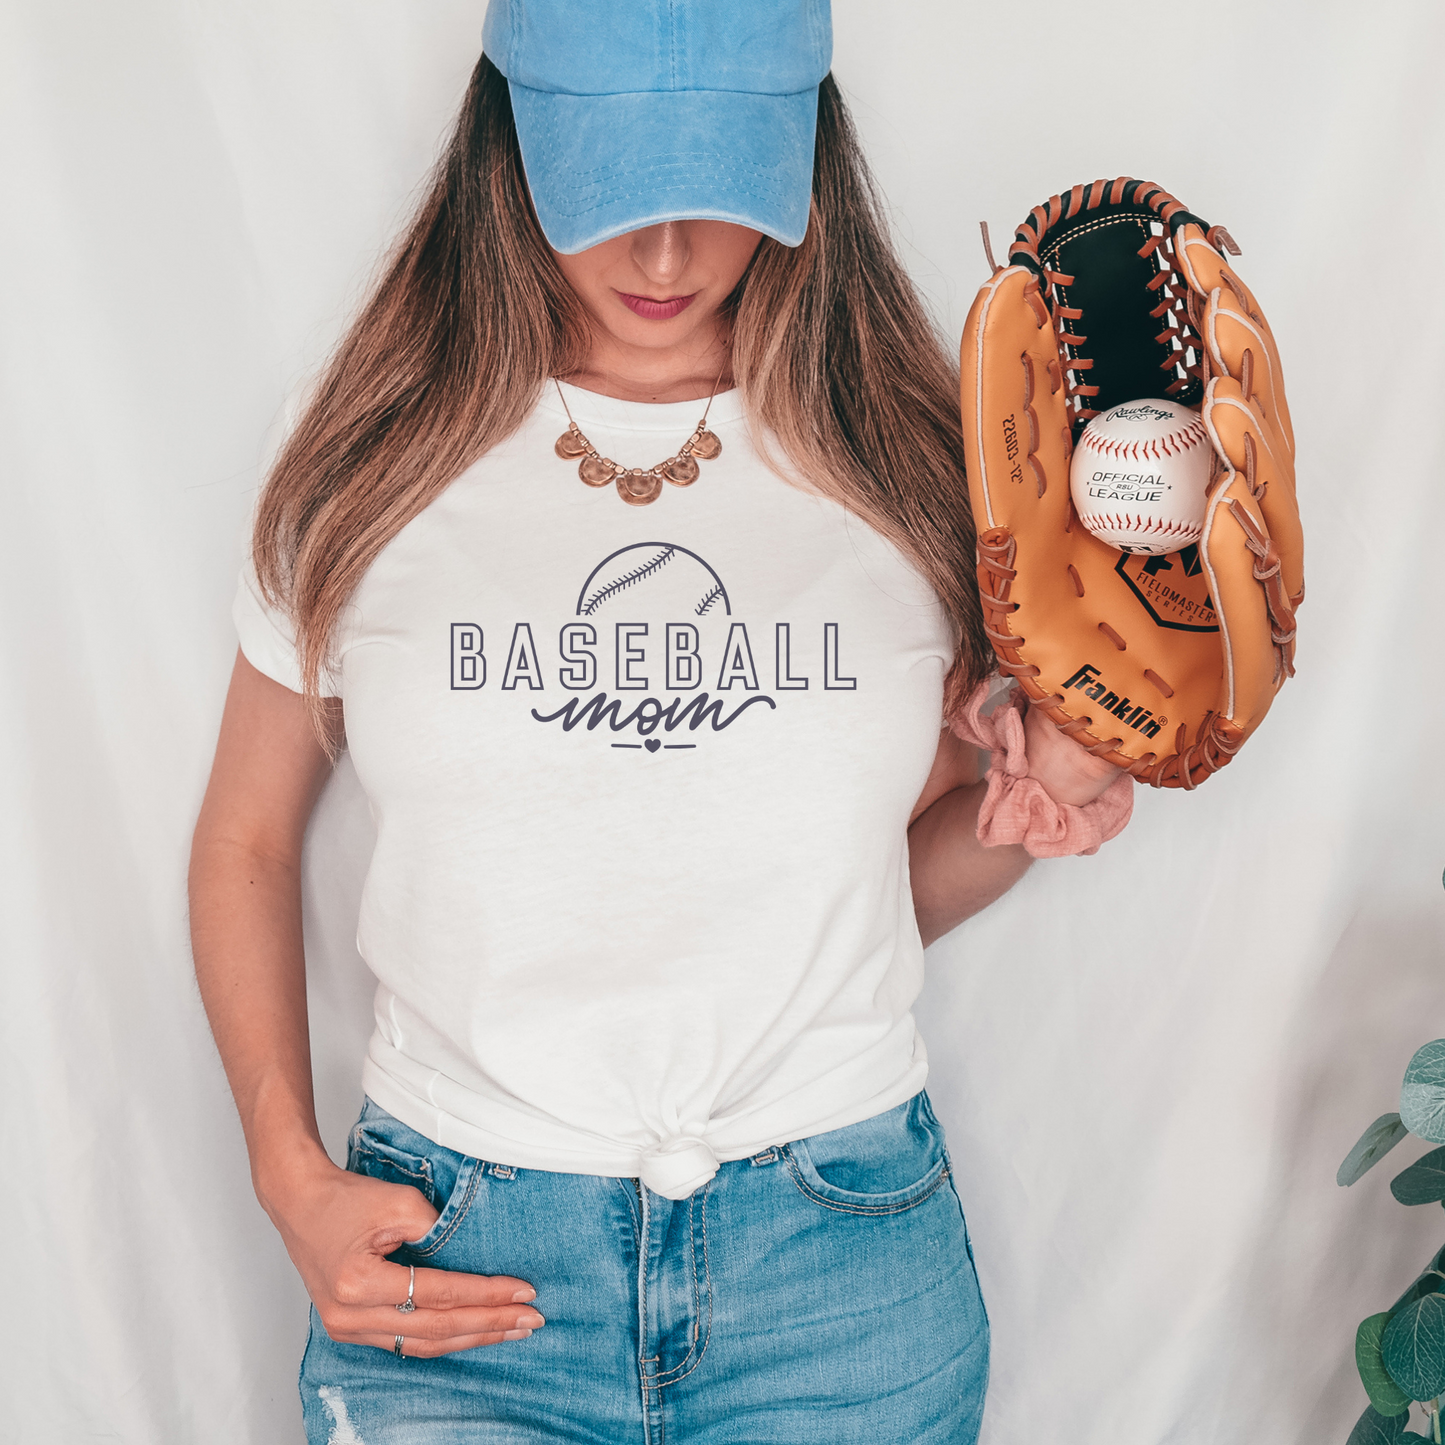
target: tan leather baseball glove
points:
(1164, 665)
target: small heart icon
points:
(652, 745)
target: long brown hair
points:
(832, 349)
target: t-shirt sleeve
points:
(268, 639)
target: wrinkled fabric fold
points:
(678, 1166)
(1017, 808)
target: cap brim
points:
(602, 165)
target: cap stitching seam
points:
(672, 42)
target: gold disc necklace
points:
(638, 486)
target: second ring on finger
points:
(414, 1348)
(408, 1305)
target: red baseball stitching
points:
(1127, 523)
(1190, 437)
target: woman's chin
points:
(627, 327)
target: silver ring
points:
(408, 1306)
(396, 1348)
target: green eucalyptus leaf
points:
(1373, 1145)
(1423, 1182)
(1422, 1095)
(1373, 1428)
(1431, 1282)
(1413, 1347)
(1385, 1395)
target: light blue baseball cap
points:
(632, 112)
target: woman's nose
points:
(661, 252)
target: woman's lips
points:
(655, 310)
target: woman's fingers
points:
(418, 1349)
(434, 1324)
(444, 1289)
(447, 1306)
(373, 1282)
(452, 1312)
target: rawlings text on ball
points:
(1139, 475)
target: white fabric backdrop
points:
(1150, 1061)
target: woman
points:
(665, 811)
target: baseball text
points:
(671, 657)
(1127, 487)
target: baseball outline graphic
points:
(651, 568)
(1139, 475)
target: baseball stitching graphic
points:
(662, 575)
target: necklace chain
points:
(638, 485)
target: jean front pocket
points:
(883, 1165)
(382, 1147)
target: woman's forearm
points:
(954, 875)
(246, 937)
(245, 891)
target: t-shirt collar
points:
(589, 408)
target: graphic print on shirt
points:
(654, 568)
(653, 618)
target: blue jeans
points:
(823, 1291)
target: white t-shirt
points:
(641, 779)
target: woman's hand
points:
(339, 1228)
(1067, 773)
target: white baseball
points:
(1139, 474)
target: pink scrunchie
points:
(1016, 808)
